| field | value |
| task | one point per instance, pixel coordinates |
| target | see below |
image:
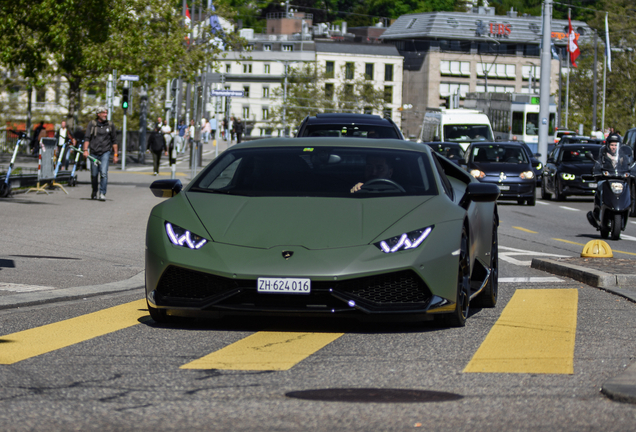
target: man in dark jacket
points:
(101, 139)
(157, 145)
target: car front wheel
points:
(459, 316)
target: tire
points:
(559, 194)
(605, 229)
(521, 201)
(632, 193)
(459, 316)
(5, 190)
(617, 225)
(532, 201)
(158, 315)
(72, 182)
(545, 195)
(490, 294)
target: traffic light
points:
(124, 98)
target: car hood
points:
(508, 168)
(313, 223)
(572, 168)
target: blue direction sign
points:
(129, 77)
(227, 93)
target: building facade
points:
(447, 53)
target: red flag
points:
(573, 47)
(188, 21)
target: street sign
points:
(129, 77)
(230, 93)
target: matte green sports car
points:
(324, 226)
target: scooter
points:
(612, 200)
(5, 188)
(78, 152)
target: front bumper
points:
(577, 187)
(514, 190)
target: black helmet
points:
(613, 138)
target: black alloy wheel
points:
(545, 195)
(560, 196)
(490, 294)
(459, 316)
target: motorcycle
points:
(612, 200)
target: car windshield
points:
(350, 131)
(498, 153)
(467, 133)
(451, 151)
(318, 172)
(577, 154)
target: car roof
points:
(310, 142)
(331, 118)
(444, 143)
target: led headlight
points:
(566, 176)
(409, 240)
(477, 173)
(182, 237)
(539, 166)
(527, 175)
(617, 187)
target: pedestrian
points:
(61, 138)
(238, 130)
(231, 129)
(224, 128)
(157, 146)
(101, 139)
(159, 123)
(207, 129)
(191, 132)
(212, 124)
(166, 130)
(38, 133)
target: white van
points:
(463, 126)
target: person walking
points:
(182, 129)
(238, 130)
(224, 128)
(60, 137)
(157, 146)
(231, 129)
(100, 139)
(206, 131)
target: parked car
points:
(278, 227)
(505, 164)
(349, 125)
(452, 151)
(564, 170)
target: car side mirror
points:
(480, 192)
(166, 188)
(550, 160)
(537, 155)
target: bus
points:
(462, 126)
(513, 116)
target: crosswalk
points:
(534, 334)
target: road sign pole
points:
(123, 138)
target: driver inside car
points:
(377, 167)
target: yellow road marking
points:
(22, 345)
(581, 244)
(265, 351)
(535, 334)
(525, 230)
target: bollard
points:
(597, 249)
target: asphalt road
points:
(130, 377)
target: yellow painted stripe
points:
(568, 241)
(535, 334)
(524, 229)
(22, 345)
(265, 351)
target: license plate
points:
(502, 187)
(284, 285)
(592, 185)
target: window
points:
(267, 47)
(368, 71)
(329, 69)
(14, 93)
(246, 91)
(387, 113)
(349, 70)
(329, 91)
(388, 72)
(246, 112)
(228, 68)
(388, 94)
(368, 110)
(288, 48)
(265, 113)
(247, 68)
(266, 69)
(40, 95)
(454, 68)
(265, 92)
(348, 90)
(517, 123)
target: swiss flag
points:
(573, 47)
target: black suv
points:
(349, 125)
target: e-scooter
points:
(5, 188)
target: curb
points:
(595, 278)
(621, 388)
(58, 295)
